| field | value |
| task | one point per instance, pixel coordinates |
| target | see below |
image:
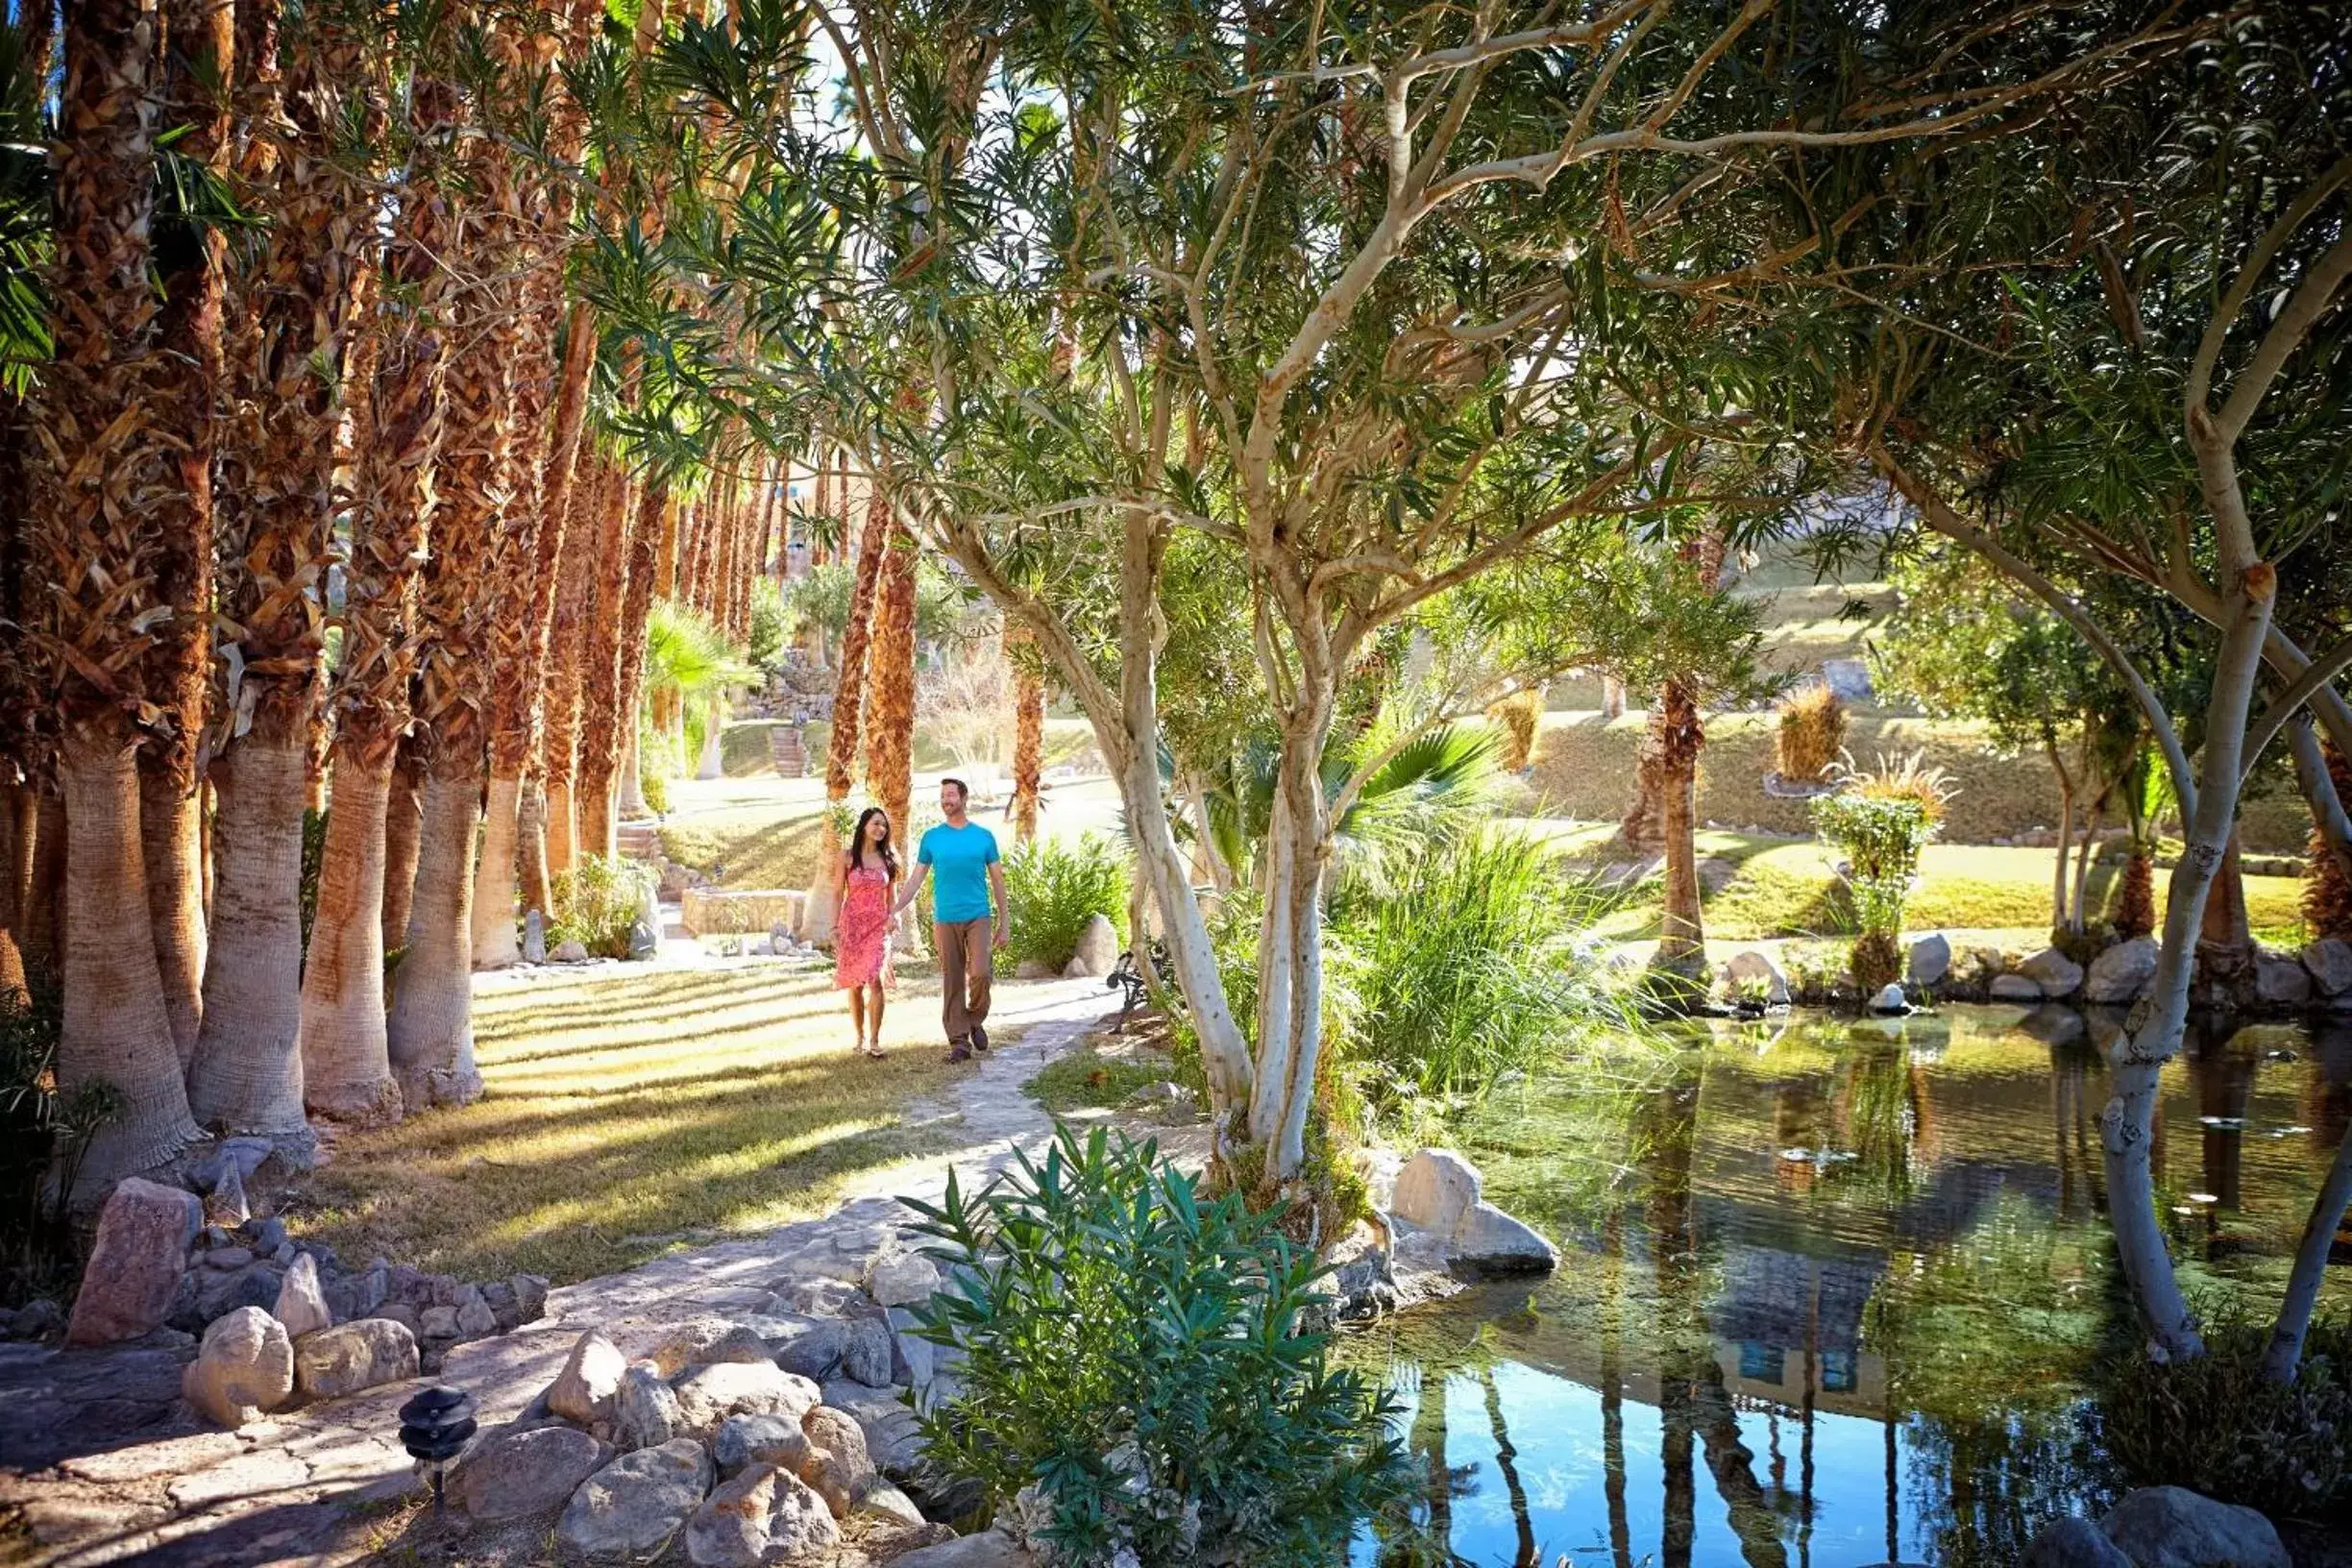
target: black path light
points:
(436, 1427)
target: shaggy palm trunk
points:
(572, 490)
(617, 742)
(1028, 732)
(100, 479)
(1677, 736)
(45, 898)
(2226, 937)
(247, 1075)
(117, 1028)
(402, 826)
(850, 684)
(890, 718)
(431, 1023)
(596, 715)
(347, 1072)
(15, 845)
(2327, 889)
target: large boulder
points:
(646, 1413)
(2057, 974)
(353, 1355)
(245, 1368)
(988, 1549)
(764, 1515)
(584, 1390)
(893, 1439)
(1754, 967)
(2074, 1543)
(1098, 948)
(1931, 959)
(866, 1350)
(516, 1474)
(745, 1440)
(2171, 1527)
(2121, 972)
(708, 1341)
(2330, 962)
(302, 1305)
(630, 1509)
(136, 1261)
(1436, 1189)
(836, 1463)
(809, 1346)
(1489, 1244)
(2015, 988)
(708, 1395)
(2281, 982)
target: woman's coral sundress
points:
(861, 939)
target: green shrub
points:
(1882, 822)
(771, 625)
(596, 903)
(2219, 1426)
(1084, 1077)
(1055, 887)
(1133, 1350)
(43, 1133)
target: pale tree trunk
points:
(493, 946)
(347, 1074)
(116, 1028)
(2065, 840)
(1613, 698)
(561, 824)
(401, 826)
(247, 1076)
(1290, 952)
(713, 762)
(633, 805)
(431, 1023)
(2078, 918)
(2284, 1353)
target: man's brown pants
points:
(965, 973)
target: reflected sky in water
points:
(1830, 1288)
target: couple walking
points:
(970, 918)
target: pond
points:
(1830, 1287)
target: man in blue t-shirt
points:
(960, 858)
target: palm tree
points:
(599, 704)
(890, 718)
(99, 473)
(588, 557)
(610, 700)
(1028, 729)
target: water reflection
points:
(1830, 1290)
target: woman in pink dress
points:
(861, 931)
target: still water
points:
(1829, 1289)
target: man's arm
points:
(1003, 905)
(913, 886)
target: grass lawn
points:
(1784, 887)
(770, 846)
(627, 1114)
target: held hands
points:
(1004, 932)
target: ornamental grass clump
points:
(1132, 1350)
(1811, 737)
(1881, 821)
(1517, 716)
(1058, 886)
(597, 901)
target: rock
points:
(38, 1319)
(988, 1549)
(764, 1515)
(2057, 974)
(1848, 678)
(630, 1509)
(531, 1296)
(2121, 972)
(302, 1306)
(646, 1412)
(353, 1355)
(887, 1501)
(1098, 948)
(570, 951)
(745, 1440)
(519, 1473)
(439, 1323)
(708, 1395)
(225, 1205)
(1930, 961)
(1488, 1243)
(475, 1318)
(535, 936)
(1754, 965)
(836, 1464)
(228, 1260)
(900, 1279)
(245, 1153)
(1891, 1002)
(245, 1368)
(642, 943)
(821, 1297)
(809, 1346)
(2281, 982)
(400, 1312)
(2330, 962)
(266, 1236)
(2171, 1527)
(2074, 1543)
(893, 1440)
(865, 1351)
(585, 1389)
(1436, 1189)
(1034, 968)
(912, 1358)
(708, 1341)
(2015, 988)
(135, 1265)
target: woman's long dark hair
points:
(857, 841)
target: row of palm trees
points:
(331, 471)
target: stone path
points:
(104, 1463)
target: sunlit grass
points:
(625, 1116)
